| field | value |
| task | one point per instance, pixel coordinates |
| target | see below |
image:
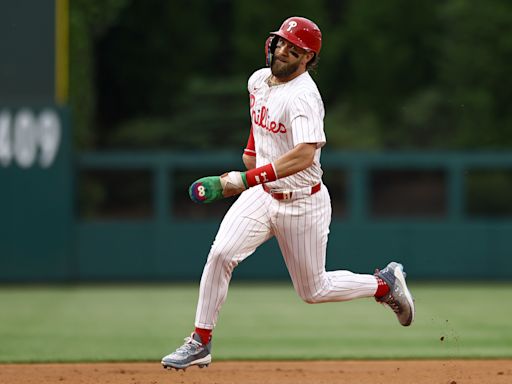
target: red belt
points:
(287, 195)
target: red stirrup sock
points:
(382, 287)
(204, 334)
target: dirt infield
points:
(251, 372)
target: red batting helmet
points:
(302, 32)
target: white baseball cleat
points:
(399, 298)
(193, 352)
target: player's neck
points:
(274, 80)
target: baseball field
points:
(266, 334)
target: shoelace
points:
(190, 344)
(392, 304)
(378, 270)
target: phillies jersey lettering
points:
(283, 116)
(261, 119)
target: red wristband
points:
(261, 175)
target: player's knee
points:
(221, 260)
(312, 298)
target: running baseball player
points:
(282, 196)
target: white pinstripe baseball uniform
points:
(281, 195)
(282, 116)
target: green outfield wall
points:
(37, 232)
(430, 230)
(127, 216)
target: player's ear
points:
(308, 57)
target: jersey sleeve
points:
(250, 148)
(307, 119)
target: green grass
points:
(258, 321)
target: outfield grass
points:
(258, 321)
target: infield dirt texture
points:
(285, 372)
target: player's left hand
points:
(212, 188)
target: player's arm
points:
(249, 161)
(249, 156)
(295, 160)
(212, 188)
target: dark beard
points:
(283, 71)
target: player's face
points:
(287, 59)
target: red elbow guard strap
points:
(261, 175)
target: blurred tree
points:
(474, 72)
(167, 77)
(389, 48)
(147, 58)
(393, 74)
(88, 21)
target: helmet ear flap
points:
(270, 47)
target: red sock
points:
(204, 334)
(382, 287)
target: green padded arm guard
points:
(206, 190)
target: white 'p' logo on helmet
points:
(292, 24)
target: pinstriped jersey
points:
(283, 116)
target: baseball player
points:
(282, 196)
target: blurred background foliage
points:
(394, 74)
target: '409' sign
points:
(28, 138)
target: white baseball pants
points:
(301, 227)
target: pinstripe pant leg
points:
(302, 228)
(244, 227)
